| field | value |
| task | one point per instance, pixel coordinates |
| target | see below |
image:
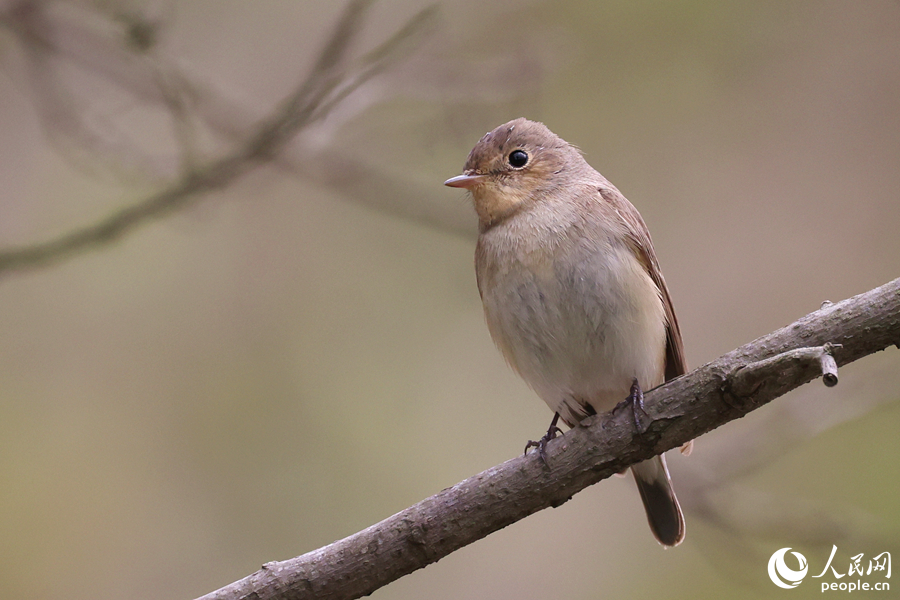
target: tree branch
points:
(332, 78)
(681, 410)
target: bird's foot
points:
(541, 444)
(636, 399)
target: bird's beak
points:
(464, 181)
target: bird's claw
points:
(636, 398)
(541, 444)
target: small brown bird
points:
(572, 291)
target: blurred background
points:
(283, 358)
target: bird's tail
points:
(663, 511)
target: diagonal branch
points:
(681, 410)
(332, 78)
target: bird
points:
(573, 294)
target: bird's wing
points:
(638, 237)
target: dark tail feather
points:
(663, 512)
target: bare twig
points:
(140, 69)
(815, 361)
(331, 79)
(681, 410)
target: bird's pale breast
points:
(572, 310)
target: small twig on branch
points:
(681, 410)
(829, 368)
(332, 78)
(815, 361)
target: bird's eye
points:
(518, 158)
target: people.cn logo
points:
(781, 574)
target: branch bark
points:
(677, 412)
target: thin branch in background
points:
(681, 410)
(331, 79)
(128, 58)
